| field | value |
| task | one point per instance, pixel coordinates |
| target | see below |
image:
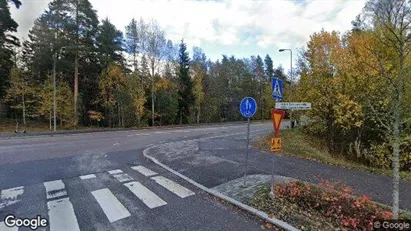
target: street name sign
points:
(277, 89)
(248, 107)
(293, 105)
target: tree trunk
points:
(396, 165)
(181, 116)
(122, 117)
(24, 110)
(76, 69)
(198, 114)
(50, 119)
(119, 115)
(152, 94)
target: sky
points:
(239, 27)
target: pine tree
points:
(132, 41)
(7, 42)
(110, 44)
(269, 68)
(72, 24)
(187, 99)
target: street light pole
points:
(292, 80)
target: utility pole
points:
(292, 80)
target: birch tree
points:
(390, 22)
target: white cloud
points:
(262, 24)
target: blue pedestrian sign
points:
(248, 107)
(277, 88)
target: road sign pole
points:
(246, 156)
(272, 178)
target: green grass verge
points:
(298, 144)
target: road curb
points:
(232, 201)
(4, 136)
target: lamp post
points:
(291, 76)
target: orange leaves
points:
(94, 115)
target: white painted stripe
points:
(61, 215)
(122, 177)
(143, 170)
(11, 193)
(145, 195)
(173, 186)
(115, 171)
(86, 177)
(113, 209)
(3, 227)
(55, 189)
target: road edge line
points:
(248, 208)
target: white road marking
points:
(145, 195)
(11, 193)
(3, 227)
(173, 186)
(9, 196)
(115, 171)
(143, 170)
(113, 209)
(55, 189)
(86, 177)
(122, 177)
(61, 215)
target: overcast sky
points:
(240, 28)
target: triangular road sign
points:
(277, 116)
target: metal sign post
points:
(246, 157)
(248, 107)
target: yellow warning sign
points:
(275, 144)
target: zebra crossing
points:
(62, 214)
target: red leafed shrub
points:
(334, 200)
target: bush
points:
(380, 156)
(334, 201)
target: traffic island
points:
(169, 151)
(324, 206)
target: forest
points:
(108, 78)
(357, 80)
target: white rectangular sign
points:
(293, 105)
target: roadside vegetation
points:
(298, 143)
(326, 206)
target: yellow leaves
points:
(162, 84)
(348, 113)
(111, 80)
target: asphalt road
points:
(100, 181)
(215, 161)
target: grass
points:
(298, 144)
(8, 126)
